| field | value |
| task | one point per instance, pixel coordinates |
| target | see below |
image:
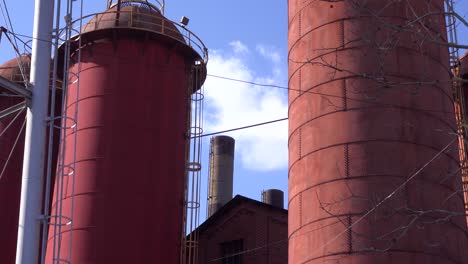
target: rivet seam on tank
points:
(346, 159)
(345, 92)
(300, 81)
(345, 95)
(300, 23)
(350, 235)
(300, 143)
(300, 210)
(342, 33)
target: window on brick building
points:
(231, 250)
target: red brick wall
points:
(263, 230)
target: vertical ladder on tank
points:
(62, 222)
(459, 98)
(189, 245)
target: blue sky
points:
(247, 40)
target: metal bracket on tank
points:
(46, 220)
(61, 260)
(52, 121)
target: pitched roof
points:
(235, 202)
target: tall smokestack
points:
(273, 197)
(221, 172)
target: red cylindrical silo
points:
(11, 156)
(126, 200)
(11, 162)
(370, 114)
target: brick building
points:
(245, 231)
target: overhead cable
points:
(14, 43)
(244, 127)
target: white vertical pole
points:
(27, 251)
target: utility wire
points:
(244, 127)
(13, 42)
(372, 101)
(369, 101)
(249, 82)
(9, 19)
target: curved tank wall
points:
(10, 182)
(221, 172)
(132, 123)
(273, 197)
(354, 146)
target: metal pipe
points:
(30, 217)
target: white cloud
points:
(239, 47)
(269, 53)
(234, 104)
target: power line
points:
(369, 101)
(9, 19)
(372, 101)
(30, 37)
(13, 42)
(240, 128)
(249, 82)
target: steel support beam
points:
(15, 88)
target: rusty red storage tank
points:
(11, 155)
(11, 160)
(370, 115)
(135, 80)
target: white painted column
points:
(27, 251)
